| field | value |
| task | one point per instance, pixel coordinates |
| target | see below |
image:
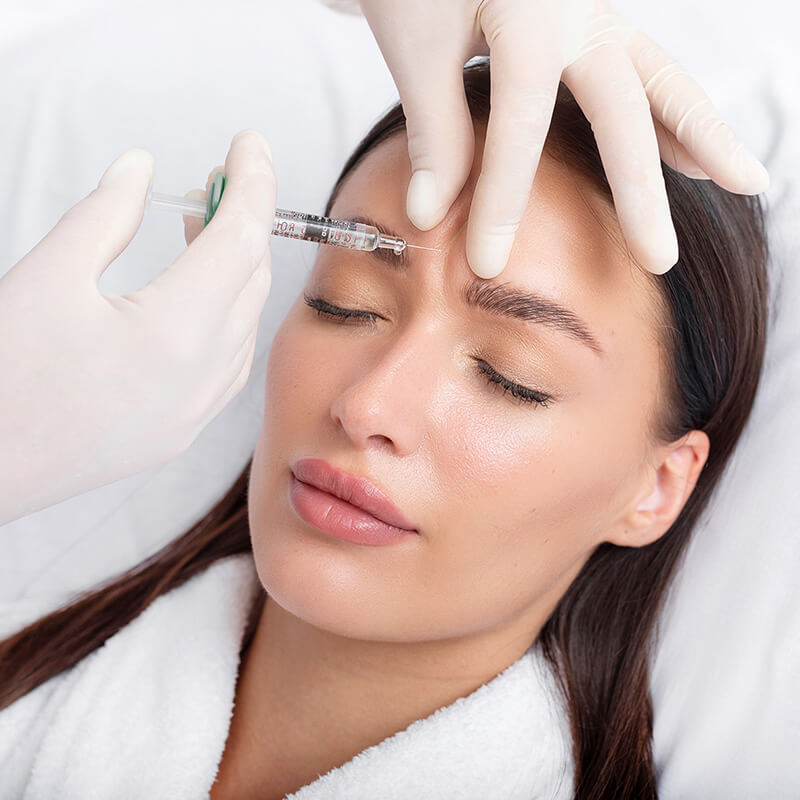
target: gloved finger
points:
(97, 229)
(241, 366)
(675, 154)
(193, 225)
(209, 275)
(686, 111)
(246, 310)
(441, 138)
(524, 85)
(609, 92)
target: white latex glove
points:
(95, 388)
(619, 76)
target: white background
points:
(80, 82)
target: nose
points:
(388, 399)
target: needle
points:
(420, 247)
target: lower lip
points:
(339, 518)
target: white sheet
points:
(78, 87)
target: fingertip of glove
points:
(756, 176)
(662, 255)
(254, 136)
(137, 163)
(488, 256)
(423, 203)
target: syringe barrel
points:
(310, 227)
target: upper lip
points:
(350, 488)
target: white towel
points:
(147, 715)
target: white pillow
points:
(92, 78)
(724, 681)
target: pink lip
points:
(356, 491)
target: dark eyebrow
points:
(510, 301)
(505, 299)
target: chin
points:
(333, 597)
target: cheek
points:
(295, 378)
(291, 410)
(529, 493)
(497, 457)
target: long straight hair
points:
(598, 639)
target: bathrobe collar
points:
(147, 715)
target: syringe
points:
(294, 224)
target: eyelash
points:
(340, 315)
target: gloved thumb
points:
(98, 228)
(123, 191)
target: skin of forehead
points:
(568, 246)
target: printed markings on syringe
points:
(292, 229)
(318, 229)
(344, 238)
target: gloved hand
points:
(95, 388)
(618, 76)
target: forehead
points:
(568, 247)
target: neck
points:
(308, 701)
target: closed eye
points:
(341, 315)
(325, 309)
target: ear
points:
(666, 488)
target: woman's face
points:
(509, 497)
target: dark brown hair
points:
(598, 638)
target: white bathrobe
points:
(147, 716)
